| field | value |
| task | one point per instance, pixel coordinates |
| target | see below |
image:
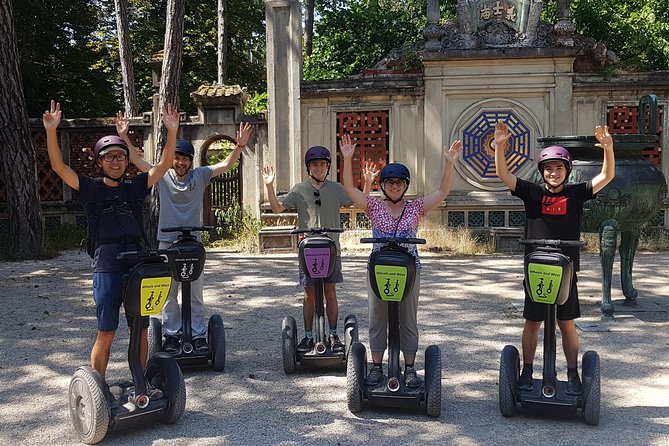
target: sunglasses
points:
(317, 194)
(109, 157)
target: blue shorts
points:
(336, 277)
(108, 297)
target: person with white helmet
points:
(395, 216)
(110, 204)
(181, 193)
(553, 210)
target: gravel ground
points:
(47, 326)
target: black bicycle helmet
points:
(110, 141)
(395, 170)
(185, 148)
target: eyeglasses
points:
(109, 157)
(317, 194)
(394, 182)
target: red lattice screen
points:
(625, 121)
(369, 130)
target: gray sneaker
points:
(375, 376)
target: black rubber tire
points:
(89, 409)
(350, 332)
(509, 371)
(216, 333)
(163, 372)
(155, 336)
(433, 381)
(356, 370)
(591, 387)
(289, 344)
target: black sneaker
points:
(525, 381)
(305, 345)
(171, 344)
(375, 376)
(411, 380)
(574, 386)
(200, 345)
(336, 344)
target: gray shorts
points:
(336, 277)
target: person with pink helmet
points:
(553, 210)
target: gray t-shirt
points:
(181, 202)
(303, 196)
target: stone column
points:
(562, 112)
(284, 73)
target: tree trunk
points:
(19, 167)
(168, 93)
(125, 54)
(309, 28)
(222, 41)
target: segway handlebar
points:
(187, 229)
(398, 240)
(554, 243)
(146, 253)
(314, 231)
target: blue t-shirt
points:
(117, 221)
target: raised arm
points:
(501, 142)
(268, 178)
(609, 164)
(347, 150)
(450, 157)
(369, 172)
(122, 128)
(243, 135)
(51, 120)
(171, 122)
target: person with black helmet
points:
(317, 202)
(553, 210)
(395, 216)
(109, 202)
(181, 193)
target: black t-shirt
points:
(554, 216)
(117, 220)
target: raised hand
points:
(452, 153)
(346, 146)
(268, 174)
(51, 118)
(502, 135)
(604, 137)
(244, 133)
(170, 117)
(369, 172)
(122, 124)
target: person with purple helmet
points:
(553, 210)
(181, 193)
(110, 202)
(317, 202)
(395, 216)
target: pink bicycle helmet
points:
(554, 153)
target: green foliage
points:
(240, 226)
(257, 103)
(56, 239)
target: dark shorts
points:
(569, 311)
(108, 297)
(336, 277)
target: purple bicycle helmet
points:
(554, 153)
(395, 170)
(317, 153)
(185, 148)
(108, 141)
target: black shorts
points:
(569, 311)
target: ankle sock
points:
(309, 334)
(333, 331)
(527, 368)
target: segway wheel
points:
(89, 409)
(356, 370)
(591, 387)
(163, 372)
(350, 332)
(216, 333)
(433, 381)
(509, 370)
(155, 336)
(289, 344)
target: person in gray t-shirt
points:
(181, 194)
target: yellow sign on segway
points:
(391, 281)
(153, 295)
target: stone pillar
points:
(562, 112)
(284, 73)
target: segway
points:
(317, 255)
(156, 394)
(548, 280)
(392, 270)
(188, 266)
